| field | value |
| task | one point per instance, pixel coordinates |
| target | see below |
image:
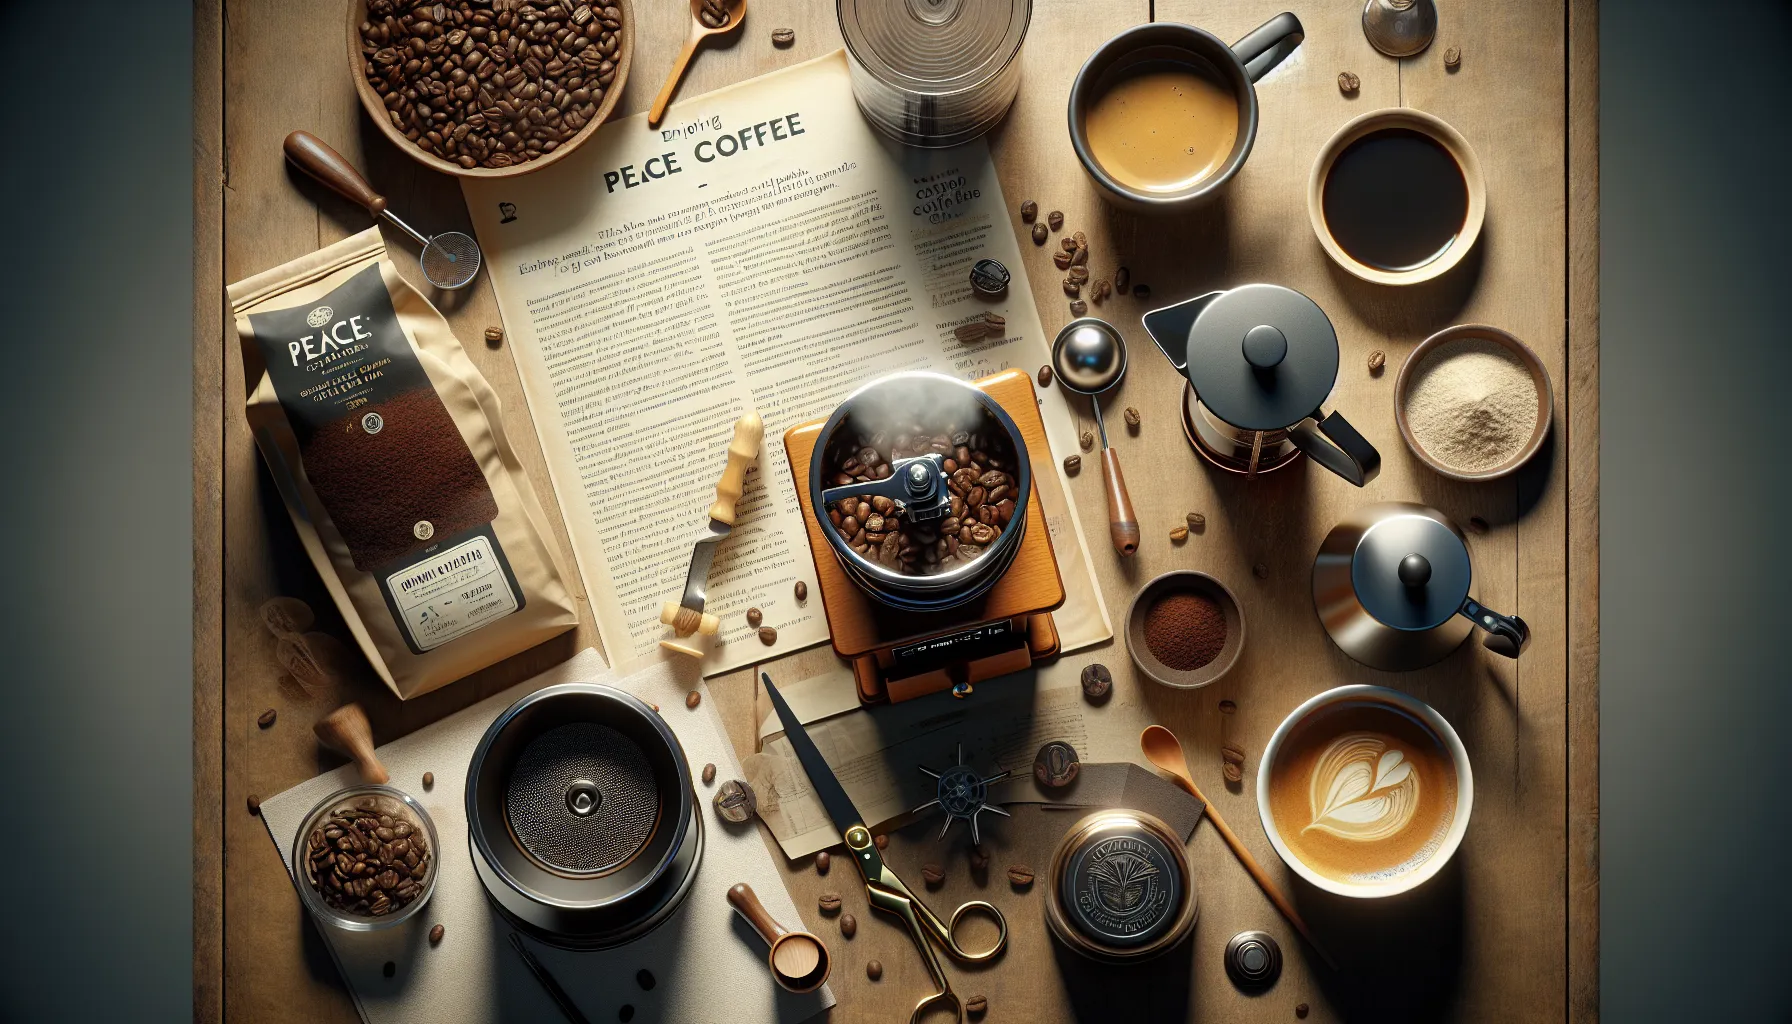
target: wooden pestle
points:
(347, 731)
(799, 961)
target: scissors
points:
(886, 891)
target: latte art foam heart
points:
(1362, 789)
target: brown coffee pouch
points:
(389, 452)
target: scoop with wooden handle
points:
(686, 615)
(799, 961)
(737, 12)
(347, 732)
(1164, 750)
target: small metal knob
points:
(1400, 28)
(583, 798)
(1265, 347)
(1253, 960)
(1415, 570)
(920, 481)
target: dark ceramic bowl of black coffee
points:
(1157, 44)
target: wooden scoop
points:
(799, 962)
(347, 732)
(737, 13)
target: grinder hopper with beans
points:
(686, 615)
(935, 567)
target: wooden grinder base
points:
(865, 632)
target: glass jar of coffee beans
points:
(365, 858)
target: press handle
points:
(743, 451)
(1346, 453)
(1269, 44)
(315, 157)
(1507, 635)
(347, 731)
(1123, 522)
(743, 899)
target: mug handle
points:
(1507, 635)
(1335, 444)
(1269, 44)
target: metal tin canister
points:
(934, 73)
(1121, 888)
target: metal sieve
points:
(450, 260)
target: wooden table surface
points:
(1508, 932)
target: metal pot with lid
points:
(1260, 361)
(1391, 585)
(920, 484)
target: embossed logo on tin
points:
(1125, 889)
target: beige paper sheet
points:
(765, 248)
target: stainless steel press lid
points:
(1262, 357)
(1410, 571)
(934, 72)
(1122, 887)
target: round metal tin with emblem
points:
(1121, 888)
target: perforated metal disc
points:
(582, 799)
(451, 260)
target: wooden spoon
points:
(737, 13)
(1163, 749)
(799, 961)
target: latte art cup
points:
(1361, 789)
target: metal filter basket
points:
(934, 73)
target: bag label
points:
(454, 591)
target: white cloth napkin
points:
(706, 963)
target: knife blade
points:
(827, 787)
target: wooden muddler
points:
(799, 961)
(347, 732)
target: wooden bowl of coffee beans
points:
(489, 88)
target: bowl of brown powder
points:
(1473, 402)
(1184, 629)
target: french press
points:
(1391, 587)
(1260, 360)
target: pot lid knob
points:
(1265, 347)
(1415, 570)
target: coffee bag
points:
(389, 452)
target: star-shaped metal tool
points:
(962, 794)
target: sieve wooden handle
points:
(315, 157)
(743, 451)
(347, 731)
(1123, 522)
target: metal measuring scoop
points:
(450, 260)
(1089, 357)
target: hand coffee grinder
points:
(932, 556)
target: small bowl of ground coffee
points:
(1473, 402)
(1184, 629)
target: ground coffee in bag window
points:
(389, 452)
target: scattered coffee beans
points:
(1348, 82)
(266, 718)
(1100, 290)
(1071, 288)
(1132, 416)
(996, 323)
(976, 1006)
(1067, 243)
(435, 935)
(1197, 521)
(485, 84)
(1232, 772)
(874, 969)
(1228, 708)
(735, 801)
(1029, 210)
(822, 861)
(494, 335)
(1078, 307)
(849, 925)
(1300, 1010)
(1232, 753)
(829, 902)
(254, 805)
(1260, 570)
(715, 13)
(1045, 376)
(1179, 534)
(1061, 259)
(1040, 234)
(365, 862)
(1087, 440)
(783, 37)
(768, 635)
(1122, 278)
(286, 617)
(692, 699)
(1056, 765)
(976, 330)
(709, 774)
(429, 779)
(755, 617)
(1141, 291)
(933, 874)
(1477, 525)
(1097, 681)
(1055, 219)
(802, 591)
(979, 859)
(1020, 876)
(1072, 463)
(1453, 56)
(882, 842)
(1377, 360)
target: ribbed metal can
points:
(934, 73)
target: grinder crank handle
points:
(315, 157)
(743, 451)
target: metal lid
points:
(1253, 960)
(934, 72)
(1262, 357)
(1122, 886)
(1410, 570)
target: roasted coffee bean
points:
(1067, 243)
(286, 617)
(1141, 291)
(1040, 234)
(1100, 290)
(1080, 257)
(1232, 772)
(829, 902)
(1079, 274)
(494, 335)
(802, 591)
(1055, 219)
(881, 841)
(1132, 416)
(755, 617)
(1122, 278)
(1071, 288)
(849, 925)
(822, 861)
(1097, 681)
(1078, 307)
(1179, 534)
(979, 859)
(874, 969)
(1300, 1010)
(1453, 57)
(768, 635)
(435, 935)
(1082, 240)
(1072, 463)
(692, 699)
(1228, 707)
(1061, 260)
(1477, 525)
(1197, 521)
(783, 37)
(976, 330)
(1045, 376)
(1056, 765)
(1232, 753)
(429, 779)
(1348, 82)
(266, 718)
(1029, 210)
(1260, 570)
(976, 1006)
(996, 322)
(933, 874)
(1020, 876)
(1087, 440)
(1377, 360)
(254, 805)
(709, 774)
(735, 801)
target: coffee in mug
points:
(1163, 124)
